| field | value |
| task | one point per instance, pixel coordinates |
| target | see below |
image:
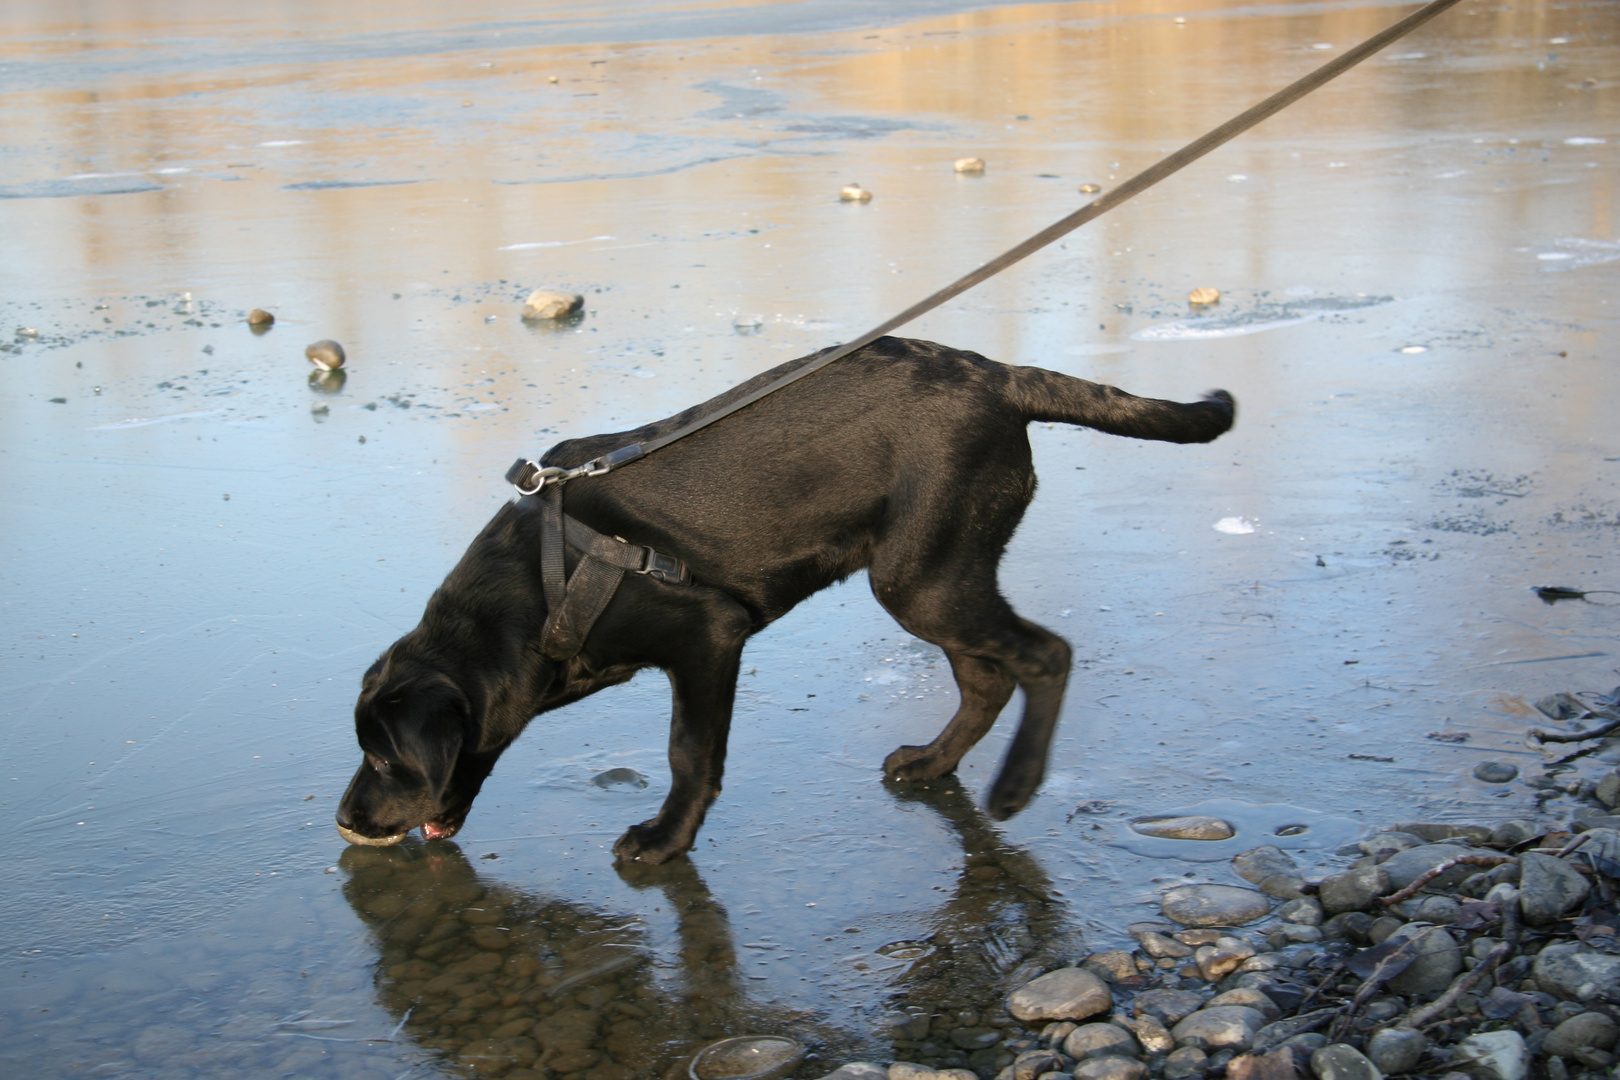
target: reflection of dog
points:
(906, 458)
(494, 976)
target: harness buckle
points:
(524, 473)
(665, 568)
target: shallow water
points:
(204, 548)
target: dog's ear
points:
(369, 679)
(429, 720)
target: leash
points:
(529, 477)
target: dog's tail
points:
(1053, 396)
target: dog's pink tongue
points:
(434, 831)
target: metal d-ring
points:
(541, 478)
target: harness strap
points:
(574, 604)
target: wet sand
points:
(203, 551)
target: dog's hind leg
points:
(994, 649)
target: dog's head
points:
(422, 766)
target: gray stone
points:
(1250, 997)
(1382, 845)
(1032, 1063)
(1168, 1007)
(1054, 1033)
(1341, 1061)
(1407, 866)
(858, 1070)
(910, 1070)
(975, 1038)
(260, 317)
(1587, 1029)
(1436, 831)
(1110, 1067)
(1572, 971)
(1437, 962)
(1396, 1050)
(1304, 911)
(327, 355)
(1214, 905)
(1548, 887)
(1223, 1026)
(1438, 909)
(543, 304)
(1271, 870)
(1222, 958)
(1495, 772)
(1095, 1040)
(1607, 790)
(1161, 945)
(1111, 966)
(1277, 1065)
(1515, 831)
(1353, 890)
(1493, 1055)
(1353, 925)
(1184, 828)
(1297, 932)
(1064, 994)
(1149, 1032)
(1185, 1062)
(1580, 825)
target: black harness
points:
(573, 604)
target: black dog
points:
(906, 458)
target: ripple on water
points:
(1254, 825)
(1261, 317)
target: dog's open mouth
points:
(433, 830)
(369, 841)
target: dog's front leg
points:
(704, 680)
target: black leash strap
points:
(524, 474)
(573, 604)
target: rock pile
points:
(1468, 952)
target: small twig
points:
(1389, 967)
(1334, 971)
(1574, 736)
(1417, 1018)
(1298, 1024)
(1570, 847)
(1429, 875)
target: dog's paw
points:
(912, 763)
(1011, 793)
(649, 844)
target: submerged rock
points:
(1184, 828)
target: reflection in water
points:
(502, 981)
(506, 982)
